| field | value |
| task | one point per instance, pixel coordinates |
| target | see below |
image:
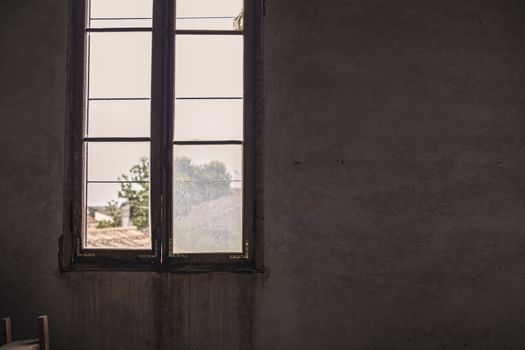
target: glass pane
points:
(117, 216)
(120, 13)
(208, 120)
(207, 199)
(209, 66)
(117, 161)
(120, 23)
(119, 65)
(209, 14)
(118, 118)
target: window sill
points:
(183, 269)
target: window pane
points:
(120, 13)
(209, 66)
(117, 216)
(212, 226)
(207, 199)
(208, 120)
(226, 160)
(117, 118)
(209, 14)
(117, 161)
(120, 23)
(119, 65)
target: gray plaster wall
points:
(391, 188)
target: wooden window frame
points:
(72, 256)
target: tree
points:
(113, 210)
(193, 184)
(136, 193)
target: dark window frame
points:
(72, 256)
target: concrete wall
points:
(392, 187)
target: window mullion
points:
(157, 112)
(248, 125)
(168, 68)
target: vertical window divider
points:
(170, 124)
(76, 109)
(248, 128)
(156, 145)
(167, 122)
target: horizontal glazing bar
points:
(197, 181)
(115, 30)
(116, 139)
(225, 142)
(119, 99)
(116, 182)
(207, 32)
(209, 17)
(209, 98)
(147, 98)
(116, 18)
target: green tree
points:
(113, 210)
(193, 184)
(135, 192)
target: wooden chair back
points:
(6, 335)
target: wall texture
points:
(391, 188)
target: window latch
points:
(246, 254)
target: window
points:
(161, 173)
